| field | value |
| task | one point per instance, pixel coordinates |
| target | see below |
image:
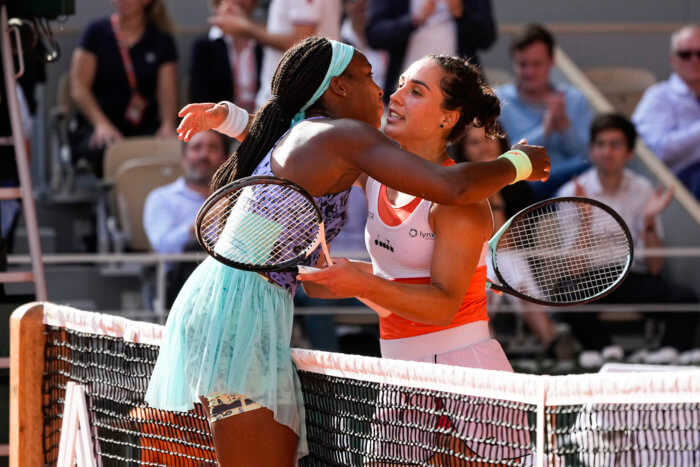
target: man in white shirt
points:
(639, 204)
(288, 22)
(170, 210)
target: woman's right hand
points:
(538, 158)
(200, 117)
(103, 135)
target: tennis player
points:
(428, 259)
(227, 339)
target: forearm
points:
(655, 264)
(427, 304)
(679, 148)
(86, 102)
(280, 42)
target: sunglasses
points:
(686, 54)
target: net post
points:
(541, 428)
(27, 342)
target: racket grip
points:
(306, 269)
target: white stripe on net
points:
(547, 246)
(646, 387)
(268, 224)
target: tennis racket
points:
(561, 251)
(261, 223)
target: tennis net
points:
(368, 411)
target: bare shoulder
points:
(471, 217)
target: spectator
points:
(288, 22)
(555, 116)
(668, 116)
(353, 32)
(170, 210)
(123, 79)
(226, 66)
(613, 138)
(410, 30)
(476, 147)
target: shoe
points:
(665, 355)
(689, 357)
(590, 359)
(613, 353)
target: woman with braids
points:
(227, 339)
(427, 277)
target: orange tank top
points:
(473, 309)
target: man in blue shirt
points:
(668, 116)
(170, 210)
(555, 116)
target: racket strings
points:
(563, 252)
(261, 225)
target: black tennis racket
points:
(261, 223)
(562, 251)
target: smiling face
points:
(415, 108)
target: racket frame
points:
(239, 184)
(505, 288)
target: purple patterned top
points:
(333, 209)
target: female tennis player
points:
(428, 259)
(227, 339)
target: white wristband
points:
(236, 121)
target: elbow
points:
(445, 316)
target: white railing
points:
(159, 261)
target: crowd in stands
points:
(124, 82)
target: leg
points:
(253, 439)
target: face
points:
(687, 65)
(531, 66)
(364, 100)
(204, 153)
(415, 108)
(609, 151)
(234, 7)
(476, 147)
(130, 7)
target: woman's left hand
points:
(344, 279)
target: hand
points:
(578, 188)
(233, 24)
(538, 158)
(344, 279)
(425, 12)
(656, 203)
(556, 118)
(103, 135)
(200, 117)
(456, 8)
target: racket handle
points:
(306, 269)
(495, 288)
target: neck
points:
(132, 25)
(534, 94)
(610, 181)
(433, 151)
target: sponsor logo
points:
(386, 244)
(413, 233)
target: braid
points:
(465, 91)
(299, 73)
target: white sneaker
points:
(590, 359)
(664, 355)
(613, 353)
(689, 357)
(638, 356)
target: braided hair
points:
(299, 73)
(465, 91)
